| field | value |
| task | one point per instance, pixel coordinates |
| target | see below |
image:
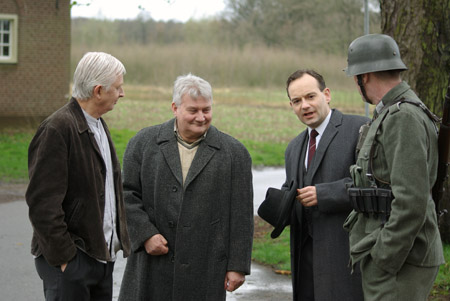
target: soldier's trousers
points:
(411, 283)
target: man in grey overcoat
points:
(189, 202)
(319, 245)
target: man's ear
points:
(97, 91)
(327, 93)
(366, 77)
(174, 109)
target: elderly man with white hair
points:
(75, 194)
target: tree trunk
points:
(422, 31)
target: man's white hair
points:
(191, 85)
(95, 68)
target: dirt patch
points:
(10, 192)
(261, 227)
(440, 295)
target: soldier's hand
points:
(156, 245)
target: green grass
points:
(276, 253)
(13, 156)
(264, 153)
(14, 147)
(121, 138)
(260, 118)
(442, 283)
(273, 252)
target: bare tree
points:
(422, 30)
(309, 25)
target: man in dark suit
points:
(319, 245)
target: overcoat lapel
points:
(299, 168)
(299, 159)
(205, 152)
(328, 135)
(169, 149)
(172, 157)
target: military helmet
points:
(372, 53)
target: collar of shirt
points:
(92, 122)
(321, 128)
(184, 143)
(379, 107)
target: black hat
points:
(277, 206)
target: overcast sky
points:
(164, 10)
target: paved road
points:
(18, 277)
(19, 280)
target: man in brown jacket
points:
(75, 192)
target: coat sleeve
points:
(48, 172)
(332, 197)
(140, 227)
(241, 219)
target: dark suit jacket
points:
(329, 171)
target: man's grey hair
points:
(95, 68)
(191, 85)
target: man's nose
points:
(200, 116)
(305, 105)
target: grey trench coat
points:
(208, 223)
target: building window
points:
(8, 38)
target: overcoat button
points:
(174, 189)
(171, 224)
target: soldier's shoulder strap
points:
(395, 107)
(421, 105)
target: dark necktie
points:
(312, 145)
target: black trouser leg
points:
(83, 279)
(306, 275)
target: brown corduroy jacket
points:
(66, 192)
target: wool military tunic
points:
(404, 159)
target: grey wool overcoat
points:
(208, 223)
(329, 171)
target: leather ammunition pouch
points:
(375, 201)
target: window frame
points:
(13, 38)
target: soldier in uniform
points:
(393, 228)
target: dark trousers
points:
(306, 275)
(83, 279)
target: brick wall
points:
(38, 84)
